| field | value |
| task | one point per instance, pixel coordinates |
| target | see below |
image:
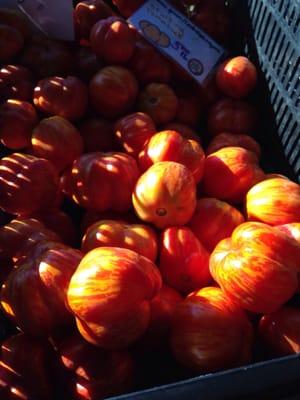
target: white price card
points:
(177, 37)
(53, 17)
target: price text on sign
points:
(176, 36)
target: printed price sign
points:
(177, 37)
(53, 17)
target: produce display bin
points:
(268, 31)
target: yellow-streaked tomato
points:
(165, 195)
(109, 295)
(210, 332)
(257, 267)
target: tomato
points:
(184, 262)
(46, 57)
(210, 332)
(148, 65)
(57, 140)
(128, 7)
(236, 140)
(109, 295)
(213, 221)
(95, 373)
(108, 233)
(112, 40)
(184, 130)
(229, 115)
(17, 120)
(34, 295)
(113, 91)
(256, 260)
(230, 172)
(87, 13)
(165, 195)
(65, 97)
(87, 63)
(280, 331)
(27, 184)
(275, 201)
(171, 146)
(98, 135)
(11, 43)
(292, 230)
(39, 381)
(16, 82)
(236, 77)
(133, 132)
(102, 181)
(159, 101)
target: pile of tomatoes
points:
(136, 220)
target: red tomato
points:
(57, 140)
(16, 82)
(98, 135)
(236, 140)
(109, 295)
(66, 97)
(292, 230)
(113, 91)
(230, 172)
(148, 65)
(109, 233)
(87, 63)
(11, 43)
(184, 130)
(46, 274)
(275, 201)
(236, 77)
(213, 221)
(258, 259)
(229, 115)
(112, 40)
(128, 7)
(95, 373)
(165, 195)
(87, 13)
(102, 181)
(210, 332)
(184, 262)
(27, 184)
(133, 132)
(280, 331)
(159, 101)
(171, 146)
(37, 382)
(17, 120)
(46, 57)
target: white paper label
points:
(53, 17)
(177, 37)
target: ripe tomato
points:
(109, 295)
(65, 97)
(139, 238)
(159, 101)
(258, 259)
(275, 201)
(113, 91)
(171, 146)
(27, 184)
(17, 120)
(234, 140)
(292, 230)
(57, 140)
(165, 195)
(112, 40)
(213, 221)
(210, 332)
(229, 115)
(184, 262)
(230, 172)
(236, 77)
(134, 131)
